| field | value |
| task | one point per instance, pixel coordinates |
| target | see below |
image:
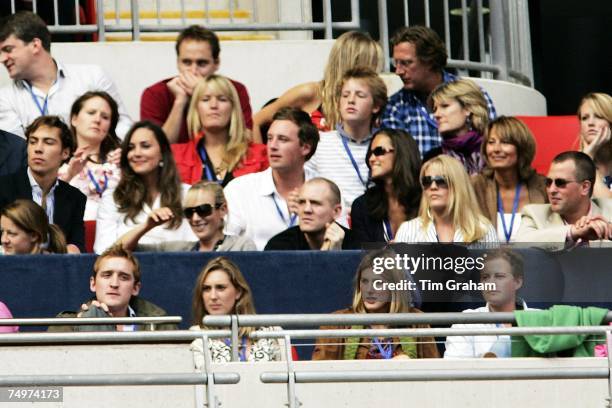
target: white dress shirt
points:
(18, 108)
(252, 210)
(477, 346)
(412, 231)
(111, 224)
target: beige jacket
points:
(540, 224)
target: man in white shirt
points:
(263, 204)
(42, 86)
(504, 268)
(341, 154)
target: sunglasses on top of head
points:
(559, 182)
(203, 210)
(381, 151)
(440, 181)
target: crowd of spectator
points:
(342, 166)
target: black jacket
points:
(13, 154)
(68, 209)
(293, 239)
(364, 226)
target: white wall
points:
(251, 392)
(267, 68)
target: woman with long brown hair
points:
(221, 289)
(149, 182)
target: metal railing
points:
(291, 377)
(207, 377)
(81, 321)
(499, 34)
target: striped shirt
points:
(405, 111)
(332, 161)
(412, 232)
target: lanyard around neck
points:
(210, 174)
(388, 232)
(42, 109)
(500, 209)
(385, 349)
(99, 189)
(292, 217)
(352, 159)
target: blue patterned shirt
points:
(406, 111)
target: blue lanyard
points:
(388, 232)
(210, 174)
(241, 351)
(99, 189)
(41, 109)
(292, 218)
(500, 209)
(386, 349)
(353, 162)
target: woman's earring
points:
(161, 163)
(468, 123)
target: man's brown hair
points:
(117, 251)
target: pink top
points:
(5, 313)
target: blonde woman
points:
(595, 116)
(508, 182)
(26, 230)
(220, 289)
(368, 299)
(321, 99)
(461, 112)
(219, 149)
(449, 210)
(204, 208)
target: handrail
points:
(76, 321)
(418, 332)
(111, 337)
(365, 318)
(554, 373)
(87, 380)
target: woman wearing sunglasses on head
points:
(595, 116)
(396, 193)
(508, 182)
(219, 148)
(460, 109)
(204, 207)
(449, 211)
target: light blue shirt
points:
(37, 195)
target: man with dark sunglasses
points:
(572, 217)
(318, 207)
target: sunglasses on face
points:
(203, 210)
(559, 182)
(381, 151)
(440, 181)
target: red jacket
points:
(189, 163)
